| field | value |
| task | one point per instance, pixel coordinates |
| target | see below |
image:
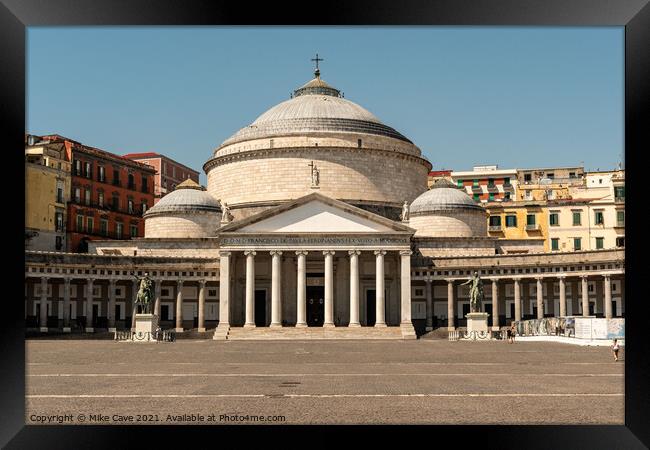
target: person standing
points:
(615, 348)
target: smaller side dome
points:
(187, 212)
(447, 211)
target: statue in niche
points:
(226, 216)
(315, 175)
(405, 211)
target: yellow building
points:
(518, 220)
(47, 191)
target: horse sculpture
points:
(145, 295)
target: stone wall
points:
(452, 223)
(345, 174)
(178, 225)
(455, 247)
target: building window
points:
(101, 174)
(528, 194)
(116, 202)
(134, 231)
(620, 218)
(58, 220)
(89, 173)
(511, 221)
(506, 181)
(87, 197)
(474, 183)
(59, 191)
(495, 221)
(58, 242)
(173, 171)
(572, 174)
(554, 219)
(490, 182)
(530, 220)
(116, 176)
(77, 167)
(131, 182)
(620, 241)
(90, 224)
(144, 206)
(550, 175)
(460, 183)
(77, 195)
(145, 187)
(100, 199)
(577, 243)
(359, 143)
(118, 230)
(599, 218)
(130, 206)
(80, 223)
(527, 177)
(600, 242)
(506, 195)
(103, 227)
(555, 244)
(491, 197)
(577, 218)
(619, 193)
(477, 197)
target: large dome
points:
(188, 196)
(443, 195)
(315, 107)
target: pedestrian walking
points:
(513, 331)
(615, 348)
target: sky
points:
(518, 97)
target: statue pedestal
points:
(477, 321)
(145, 328)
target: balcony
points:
(620, 224)
(619, 199)
(136, 211)
(532, 227)
(494, 228)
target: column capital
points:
(494, 280)
(67, 280)
(405, 252)
(584, 277)
(380, 252)
(275, 252)
(516, 280)
(561, 277)
(91, 280)
(354, 252)
(302, 252)
(179, 282)
(112, 281)
(224, 253)
(250, 252)
(328, 252)
(202, 282)
(450, 280)
(44, 279)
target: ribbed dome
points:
(188, 196)
(315, 107)
(443, 195)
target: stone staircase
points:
(308, 333)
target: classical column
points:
(540, 298)
(429, 293)
(585, 296)
(224, 289)
(301, 290)
(517, 300)
(134, 297)
(562, 279)
(111, 304)
(201, 324)
(608, 296)
(43, 307)
(89, 306)
(66, 305)
(495, 304)
(451, 306)
(329, 288)
(179, 306)
(276, 305)
(405, 285)
(380, 315)
(158, 291)
(354, 288)
(250, 289)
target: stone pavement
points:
(323, 382)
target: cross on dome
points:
(317, 71)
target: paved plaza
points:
(322, 382)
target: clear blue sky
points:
(518, 97)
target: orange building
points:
(109, 195)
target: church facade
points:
(317, 222)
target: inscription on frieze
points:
(298, 240)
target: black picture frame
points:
(634, 15)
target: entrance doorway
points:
(260, 308)
(488, 308)
(315, 306)
(95, 316)
(371, 307)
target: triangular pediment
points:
(316, 213)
